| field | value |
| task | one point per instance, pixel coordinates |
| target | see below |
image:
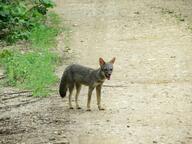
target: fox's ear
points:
(112, 61)
(101, 61)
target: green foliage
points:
(19, 17)
(43, 37)
(5, 54)
(33, 70)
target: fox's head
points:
(106, 67)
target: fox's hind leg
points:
(71, 87)
(78, 88)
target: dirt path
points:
(153, 103)
(149, 98)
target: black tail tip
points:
(63, 95)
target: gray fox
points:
(76, 75)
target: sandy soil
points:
(149, 98)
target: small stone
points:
(64, 136)
(128, 126)
(52, 139)
(155, 142)
(57, 132)
(136, 12)
(180, 121)
(62, 142)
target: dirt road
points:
(149, 97)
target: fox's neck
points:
(100, 74)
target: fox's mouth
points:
(108, 76)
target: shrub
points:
(19, 17)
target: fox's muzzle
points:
(108, 76)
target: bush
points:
(19, 17)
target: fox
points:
(76, 75)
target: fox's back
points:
(79, 74)
(79, 69)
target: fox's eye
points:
(111, 69)
(105, 69)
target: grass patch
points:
(43, 37)
(34, 69)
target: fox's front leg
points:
(89, 98)
(98, 92)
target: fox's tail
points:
(63, 86)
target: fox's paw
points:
(101, 108)
(78, 107)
